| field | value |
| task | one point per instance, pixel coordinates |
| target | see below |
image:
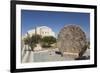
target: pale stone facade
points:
(43, 31)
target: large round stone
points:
(72, 41)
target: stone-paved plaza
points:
(48, 56)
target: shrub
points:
(48, 40)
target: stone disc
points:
(72, 40)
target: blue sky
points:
(54, 20)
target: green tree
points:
(48, 40)
(88, 44)
(27, 40)
(35, 39)
(32, 41)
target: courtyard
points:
(49, 56)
